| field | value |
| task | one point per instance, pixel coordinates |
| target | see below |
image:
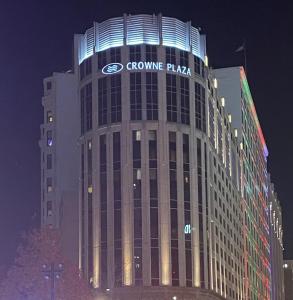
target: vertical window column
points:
(187, 213)
(82, 211)
(86, 108)
(154, 218)
(184, 96)
(152, 95)
(200, 109)
(200, 213)
(116, 110)
(135, 96)
(102, 101)
(173, 208)
(103, 203)
(137, 205)
(171, 91)
(90, 209)
(117, 207)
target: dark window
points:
(116, 98)
(49, 85)
(184, 95)
(82, 167)
(200, 108)
(171, 97)
(102, 101)
(49, 161)
(115, 55)
(85, 68)
(86, 108)
(198, 66)
(184, 58)
(135, 96)
(151, 53)
(134, 53)
(102, 59)
(152, 95)
(170, 55)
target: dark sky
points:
(36, 40)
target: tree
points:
(25, 280)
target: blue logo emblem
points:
(112, 68)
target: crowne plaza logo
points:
(112, 68)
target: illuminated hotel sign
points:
(146, 65)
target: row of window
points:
(142, 53)
(143, 94)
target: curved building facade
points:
(154, 166)
(146, 155)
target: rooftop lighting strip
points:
(252, 107)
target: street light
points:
(52, 272)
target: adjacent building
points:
(158, 175)
(276, 245)
(288, 279)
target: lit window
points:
(49, 185)
(49, 117)
(49, 138)
(49, 208)
(138, 135)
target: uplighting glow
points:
(248, 96)
(141, 29)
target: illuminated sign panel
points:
(112, 68)
(146, 65)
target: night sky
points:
(36, 40)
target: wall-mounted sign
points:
(187, 229)
(146, 65)
(112, 68)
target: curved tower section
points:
(157, 155)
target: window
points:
(49, 138)
(49, 85)
(171, 98)
(49, 184)
(102, 59)
(198, 66)
(49, 208)
(86, 108)
(152, 95)
(49, 161)
(135, 96)
(102, 101)
(85, 68)
(184, 95)
(151, 53)
(170, 55)
(116, 98)
(200, 109)
(183, 58)
(49, 116)
(134, 53)
(115, 55)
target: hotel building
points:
(163, 160)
